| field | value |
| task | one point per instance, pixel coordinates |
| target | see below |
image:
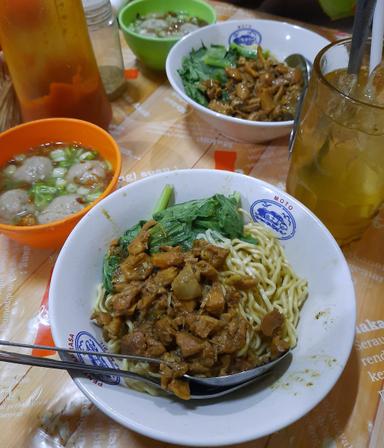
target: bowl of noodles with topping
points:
(213, 273)
(234, 75)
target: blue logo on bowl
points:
(276, 216)
(85, 341)
(245, 36)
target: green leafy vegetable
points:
(210, 63)
(203, 64)
(164, 199)
(129, 235)
(116, 254)
(168, 233)
(111, 263)
(179, 225)
(218, 56)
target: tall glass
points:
(337, 165)
(51, 61)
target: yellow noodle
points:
(278, 288)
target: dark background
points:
(304, 10)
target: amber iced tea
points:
(337, 166)
(51, 61)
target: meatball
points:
(86, 173)
(188, 28)
(14, 204)
(153, 26)
(59, 208)
(33, 169)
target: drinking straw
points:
(377, 36)
(361, 27)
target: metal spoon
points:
(198, 391)
(237, 378)
(298, 60)
(201, 387)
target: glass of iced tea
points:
(337, 164)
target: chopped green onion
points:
(83, 190)
(92, 196)
(72, 155)
(68, 152)
(20, 157)
(242, 50)
(71, 188)
(43, 189)
(60, 182)
(42, 194)
(88, 155)
(108, 165)
(57, 155)
(9, 170)
(77, 152)
(59, 172)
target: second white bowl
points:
(280, 38)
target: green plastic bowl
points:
(153, 51)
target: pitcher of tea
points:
(337, 164)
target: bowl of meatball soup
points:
(52, 171)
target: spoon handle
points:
(19, 358)
(83, 352)
(198, 392)
(292, 135)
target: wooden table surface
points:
(157, 132)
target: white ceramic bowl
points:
(280, 38)
(327, 316)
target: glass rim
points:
(322, 78)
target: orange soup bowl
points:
(19, 139)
